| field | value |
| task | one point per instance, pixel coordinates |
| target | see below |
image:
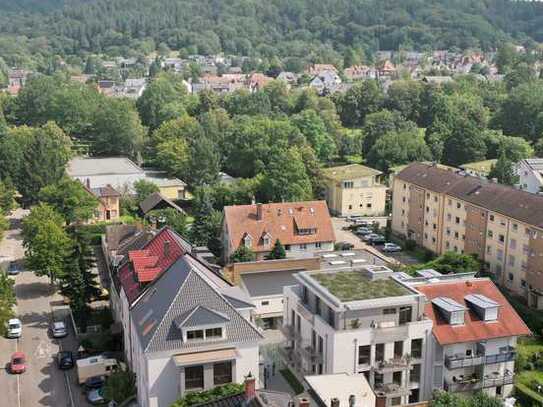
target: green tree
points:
(362, 99)
(70, 198)
(7, 197)
(505, 57)
(7, 301)
(519, 74)
(314, 129)
(173, 156)
(406, 98)
(380, 123)
(120, 386)
(143, 189)
(169, 217)
(46, 151)
(45, 241)
(277, 252)
(285, 177)
(242, 254)
(398, 148)
(207, 226)
(452, 263)
(504, 171)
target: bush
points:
(209, 395)
(410, 245)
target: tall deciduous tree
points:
(362, 99)
(7, 300)
(504, 171)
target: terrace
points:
(355, 286)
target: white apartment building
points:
(530, 173)
(359, 321)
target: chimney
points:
(334, 402)
(166, 248)
(303, 402)
(259, 211)
(250, 387)
(88, 183)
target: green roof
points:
(479, 166)
(355, 286)
(351, 171)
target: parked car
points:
(361, 222)
(94, 382)
(58, 329)
(65, 360)
(96, 396)
(369, 237)
(353, 218)
(14, 268)
(15, 328)
(362, 231)
(344, 246)
(377, 239)
(392, 247)
(17, 363)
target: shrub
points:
(410, 245)
(209, 395)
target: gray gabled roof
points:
(183, 288)
(156, 198)
(200, 316)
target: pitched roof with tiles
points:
(520, 205)
(146, 264)
(186, 293)
(279, 221)
(103, 192)
(157, 199)
(349, 172)
(474, 329)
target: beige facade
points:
(354, 190)
(108, 209)
(511, 249)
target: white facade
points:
(530, 172)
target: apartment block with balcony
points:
(475, 332)
(359, 321)
(445, 211)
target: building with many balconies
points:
(359, 321)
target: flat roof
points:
(349, 257)
(347, 172)
(356, 286)
(82, 166)
(268, 283)
(341, 386)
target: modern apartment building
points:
(359, 321)
(474, 334)
(354, 190)
(444, 211)
(530, 173)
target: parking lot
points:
(358, 243)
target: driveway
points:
(43, 383)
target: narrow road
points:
(43, 384)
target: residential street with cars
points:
(42, 383)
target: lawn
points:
(355, 286)
(527, 381)
(529, 374)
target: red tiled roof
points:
(146, 264)
(474, 329)
(280, 221)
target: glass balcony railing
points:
(460, 361)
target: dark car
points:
(65, 360)
(378, 239)
(344, 246)
(94, 382)
(14, 268)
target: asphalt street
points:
(43, 384)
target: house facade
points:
(359, 321)
(108, 209)
(443, 211)
(530, 173)
(354, 190)
(302, 227)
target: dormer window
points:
(248, 241)
(204, 334)
(266, 239)
(202, 324)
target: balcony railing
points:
(460, 361)
(393, 364)
(391, 390)
(493, 381)
(503, 357)
(469, 384)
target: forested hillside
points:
(321, 29)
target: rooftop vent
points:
(485, 308)
(337, 262)
(449, 309)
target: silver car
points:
(58, 329)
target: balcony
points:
(391, 390)
(502, 357)
(393, 364)
(311, 354)
(461, 384)
(496, 380)
(459, 361)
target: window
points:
(426, 236)
(303, 246)
(378, 379)
(449, 217)
(435, 198)
(488, 250)
(427, 209)
(434, 226)
(513, 244)
(457, 220)
(510, 277)
(398, 349)
(448, 231)
(490, 234)
(194, 377)
(195, 334)
(348, 184)
(403, 199)
(212, 333)
(368, 206)
(434, 240)
(389, 311)
(247, 241)
(523, 283)
(380, 352)
(501, 238)
(414, 376)
(511, 260)
(287, 247)
(405, 315)
(447, 245)
(403, 211)
(266, 241)
(499, 254)
(397, 378)
(350, 207)
(364, 353)
(265, 303)
(427, 195)
(525, 249)
(515, 227)
(222, 373)
(491, 218)
(456, 235)
(449, 202)
(318, 245)
(458, 205)
(416, 348)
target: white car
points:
(391, 247)
(15, 328)
(59, 330)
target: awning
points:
(197, 358)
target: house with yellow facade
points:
(354, 190)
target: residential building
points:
(325, 82)
(479, 168)
(108, 209)
(530, 173)
(474, 335)
(157, 201)
(340, 389)
(290, 78)
(121, 173)
(17, 80)
(354, 190)
(444, 211)
(302, 228)
(316, 69)
(184, 327)
(359, 320)
(360, 72)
